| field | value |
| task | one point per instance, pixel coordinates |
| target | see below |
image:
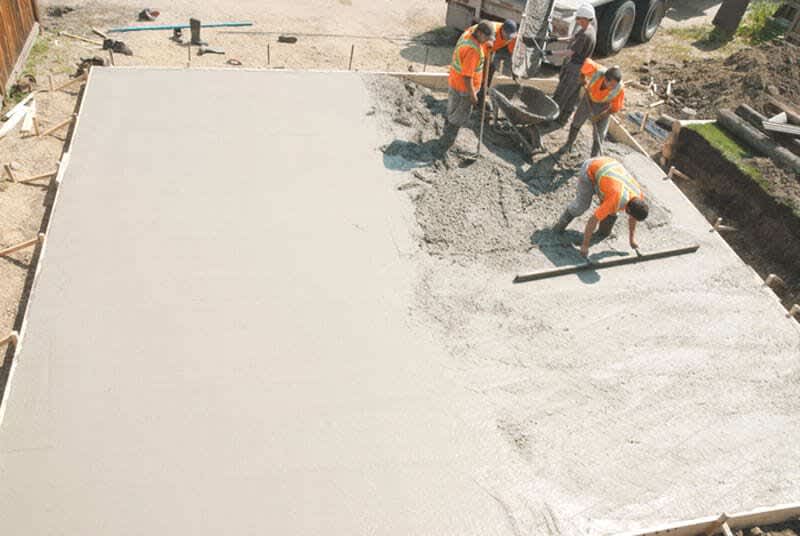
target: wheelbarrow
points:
(524, 107)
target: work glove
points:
(552, 39)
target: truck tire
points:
(616, 25)
(648, 17)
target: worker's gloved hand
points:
(529, 41)
(552, 39)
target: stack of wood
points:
(776, 136)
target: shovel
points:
(472, 159)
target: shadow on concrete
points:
(402, 155)
(560, 250)
(434, 47)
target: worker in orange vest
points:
(617, 190)
(505, 39)
(604, 94)
(465, 79)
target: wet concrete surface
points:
(239, 327)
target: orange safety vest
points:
(611, 178)
(466, 40)
(595, 93)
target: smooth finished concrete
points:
(219, 342)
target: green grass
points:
(758, 25)
(730, 149)
(705, 37)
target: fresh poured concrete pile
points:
(241, 327)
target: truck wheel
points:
(616, 25)
(648, 17)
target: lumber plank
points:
(758, 140)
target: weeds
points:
(758, 25)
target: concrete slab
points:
(226, 337)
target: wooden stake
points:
(10, 172)
(794, 311)
(111, 57)
(11, 339)
(81, 78)
(38, 177)
(717, 524)
(50, 80)
(425, 66)
(657, 103)
(675, 172)
(36, 126)
(62, 124)
(269, 60)
(22, 245)
(644, 121)
(352, 50)
(98, 32)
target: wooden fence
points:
(17, 19)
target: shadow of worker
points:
(562, 249)
(401, 155)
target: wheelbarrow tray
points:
(524, 105)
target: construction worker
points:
(617, 190)
(581, 46)
(465, 79)
(603, 95)
(505, 39)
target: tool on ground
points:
(178, 26)
(149, 14)
(606, 263)
(209, 50)
(117, 46)
(79, 38)
(290, 39)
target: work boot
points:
(561, 224)
(194, 26)
(606, 226)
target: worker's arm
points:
(473, 95)
(632, 232)
(591, 227)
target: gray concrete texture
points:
(239, 327)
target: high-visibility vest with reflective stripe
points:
(611, 94)
(466, 40)
(615, 171)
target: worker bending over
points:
(465, 79)
(617, 190)
(604, 94)
(580, 47)
(505, 39)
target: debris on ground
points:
(86, 63)
(750, 76)
(59, 11)
(118, 47)
(149, 15)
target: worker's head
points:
(637, 207)
(509, 29)
(584, 15)
(612, 77)
(484, 32)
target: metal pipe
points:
(178, 26)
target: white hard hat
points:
(586, 11)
